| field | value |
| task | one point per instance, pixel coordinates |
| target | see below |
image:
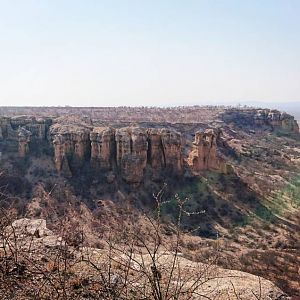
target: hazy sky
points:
(148, 52)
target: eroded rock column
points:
(204, 152)
(155, 150)
(102, 147)
(23, 140)
(71, 146)
(131, 153)
(171, 145)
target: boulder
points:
(36, 227)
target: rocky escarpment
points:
(130, 151)
(261, 117)
(131, 156)
(38, 127)
(172, 144)
(24, 136)
(102, 147)
(165, 150)
(204, 154)
(21, 132)
(127, 151)
(277, 120)
(71, 146)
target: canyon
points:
(132, 148)
(237, 169)
(126, 149)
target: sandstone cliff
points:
(172, 146)
(102, 147)
(276, 119)
(128, 151)
(155, 149)
(21, 131)
(71, 145)
(204, 153)
(131, 156)
(261, 117)
(24, 140)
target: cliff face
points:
(204, 152)
(127, 151)
(261, 117)
(23, 141)
(20, 132)
(277, 120)
(102, 147)
(156, 154)
(4, 123)
(71, 145)
(131, 157)
(172, 146)
(38, 127)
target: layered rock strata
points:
(23, 141)
(71, 145)
(204, 152)
(156, 156)
(172, 146)
(131, 153)
(126, 151)
(18, 132)
(261, 117)
(102, 147)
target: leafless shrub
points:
(138, 262)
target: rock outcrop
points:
(36, 227)
(71, 145)
(204, 153)
(20, 131)
(39, 128)
(127, 151)
(23, 140)
(131, 153)
(172, 144)
(276, 119)
(4, 123)
(156, 157)
(261, 117)
(102, 147)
